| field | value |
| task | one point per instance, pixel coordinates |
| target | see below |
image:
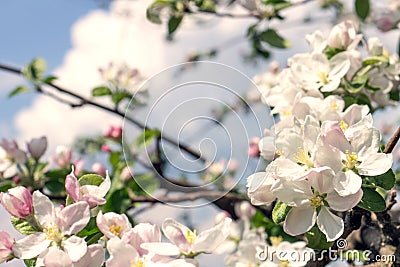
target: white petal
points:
(176, 232)
(166, 249)
(121, 254)
(340, 203)
(328, 156)
(330, 224)
(74, 218)
(75, 247)
(347, 183)
(375, 164)
(322, 180)
(43, 209)
(210, 239)
(31, 246)
(300, 220)
(56, 258)
(256, 180)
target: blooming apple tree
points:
(328, 171)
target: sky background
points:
(77, 37)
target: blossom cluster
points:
(325, 149)
(78, 234)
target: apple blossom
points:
(112, 224)
(13, 152)
(352, 156)
(311, 200)
(63, 156)
(142, 233)
(17, 201)
(188, 242)
(344, 36)
(114, 132)
(253, 147)
(6, 247)
(92, 194)
(37, 147)
(57, 238)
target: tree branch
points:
(84, 101)
(392, 142)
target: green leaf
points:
(375, 60)
(92, 239)
(330, 51)
(271, 37)
(259, 220)
(173, 23)
(49, 79)
(118, 201)
(280, 211)
(90, 229)
(55, 187)
(90, 179)
(18, 90)
(30, 262)
(147, 183)
(23, 226)
(57, 174)
(119, 96)
(154, 10)
(386, 180)
(5, 185)
(147, 137)
(362, 8)
(114, 159)
(356, 84)
(372, 200)
(35, 70)
(316, 239)
(101, 91)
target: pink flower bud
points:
(63, 156)
(17, 201)
(79, 164)
(253, 147)
(114, 132)
(99, 169)
(6, 244)
(37, 147)
(126, 174)
(244, 210)
(105, 148)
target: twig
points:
(84, 101)
(392, 142)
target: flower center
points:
(53, 233)
(334, 105)
(351, 159)
(191, 236)
(303, 157)
(139, 263)
(116, 230)
(287, 112)
(316, 201)
(323, 77)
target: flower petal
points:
(121, 254)
(159, 248)
(376, 164)
(75, 247)
(210, 239)
(176, 232)
(347, 183)
(330, 224)
(74, 218)
(31, 246)
(55, 257)
(43, 209)
(299, 220)
(94, 257)
(72, 186)
(343, 203)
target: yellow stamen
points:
(140, 263)
(323, 77)
(53, 234)
(191, 236)
(287, 113)
(116, 229)
(279, 152)
(275, 240)
(303, 157)
(316, 202)
(351, 159)
(344, 126)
